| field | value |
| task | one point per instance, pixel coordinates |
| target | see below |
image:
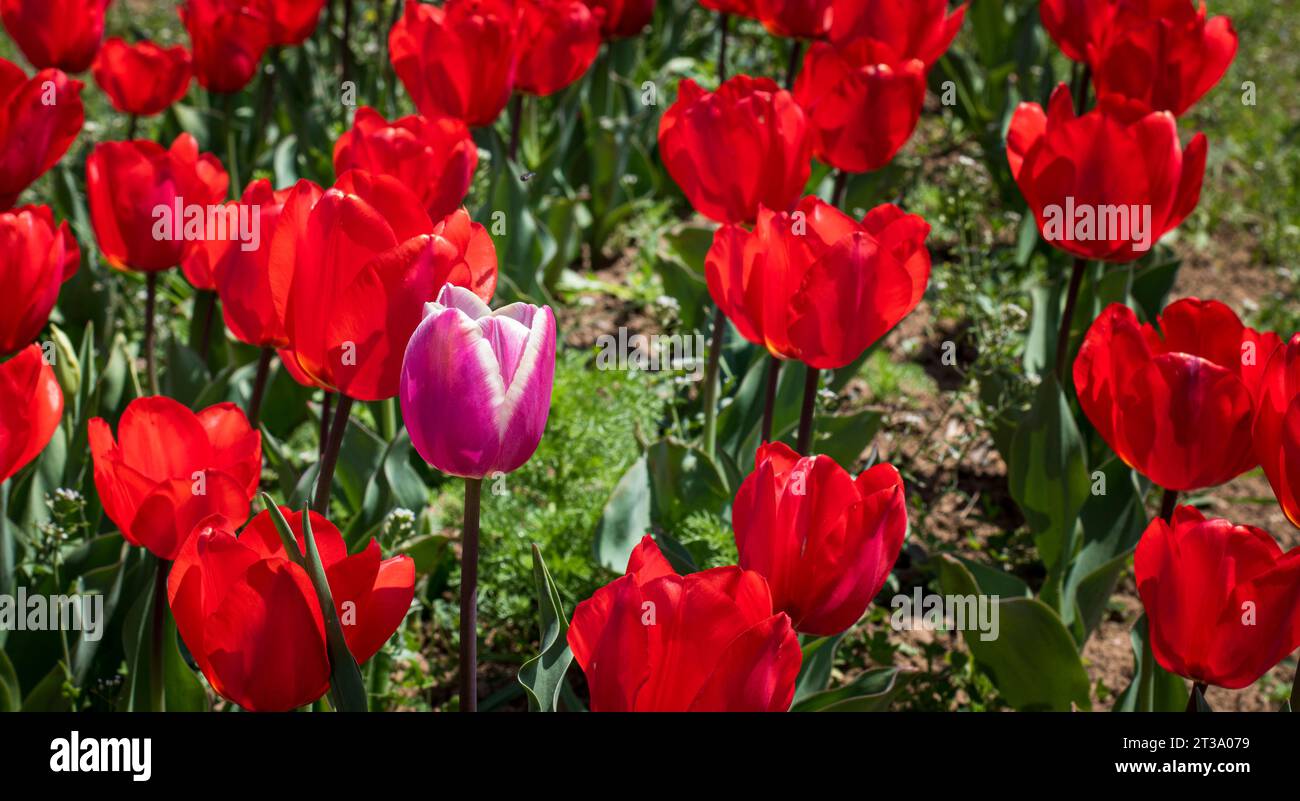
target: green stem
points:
(711, 384)
(806, 416)
(469, 597)
(330, 458)
(516, 125)
(769, 400)
(259, 386)
(1067, 318)
(796, 50)
(8, 579)
(157, 685)
(1198, 692)
(724, 23)
(388, 419)
(232, 151)
(150, 304)
(1168, 502)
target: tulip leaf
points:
(543, 675)
(345, 676)
(683, 481)
(182, 690)
(625, 519)
(844, 437)
(8, 548)
(11, 697)
(1048, 478)
(872, 691)
(815, 672)
(1153, 689)
(1032, 660)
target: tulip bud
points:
(67, 367)
(476, 384)
(31, 406)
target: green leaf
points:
(872, 691)
(1048, 478)
(1153, 689)
(1032, 661)
(625, 519)
(11, 696)
(543, 675)
(345, 676)
(815, 672)
(683, 481)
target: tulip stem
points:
(345, 54)
(841, 190)
(326, 403)
(1197, 693)
(1295, 690)
(796, 50)
(516, 125)
(469, 597)
(1168, 502)
(131, 126)
(7, 549)
(259, 386)
(206, 300)
(157, 692)
(804, 443)
(330, 458)
(232, 152)
(711, 384)
(724, 23)
(150, 302)
(769, 400)
(1067, 318)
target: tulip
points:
(142, 79)
(558, 41)
(1175, 399)
(797, 19)
(36, 257)
(1222, 601)
(39, 118)
(293, 21)
(861, 111)
(170, 469)
(31, 406)
(458, 59)
(250, 616)
(1277, 426)
(1080, 174)
(654, 641)
(904, 29)
(816, 285)
(744, 8)
(432, 154)
(368, 261)
(1078, 26)
(744, 146)
(228, 38)
(824, 542)
(59, 34)
(127, 181)
(489, 371)
(1162, 56)
(623, 18)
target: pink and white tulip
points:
(476, 384)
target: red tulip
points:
(558, 41)
(744, 8)
(243, 275)
(654, 641)
(142, 78)
(1175, 400)
(293, 21)
(458, 59)
(745, 145)
(63, 34)
(250, 616)
(39, 118)
(368, 260)
(170, 469)
(36, 257)
(817, 286)
(861, 111)
(1222, 601)
(1101, 187)
(31, 406)
(623, 18)
(1162, 56)
(903, 29)
(800, 19)
(1277, 426)
(228, 38)
(1078, 26)
(128, 184)
(434, 154)
(824, 541)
